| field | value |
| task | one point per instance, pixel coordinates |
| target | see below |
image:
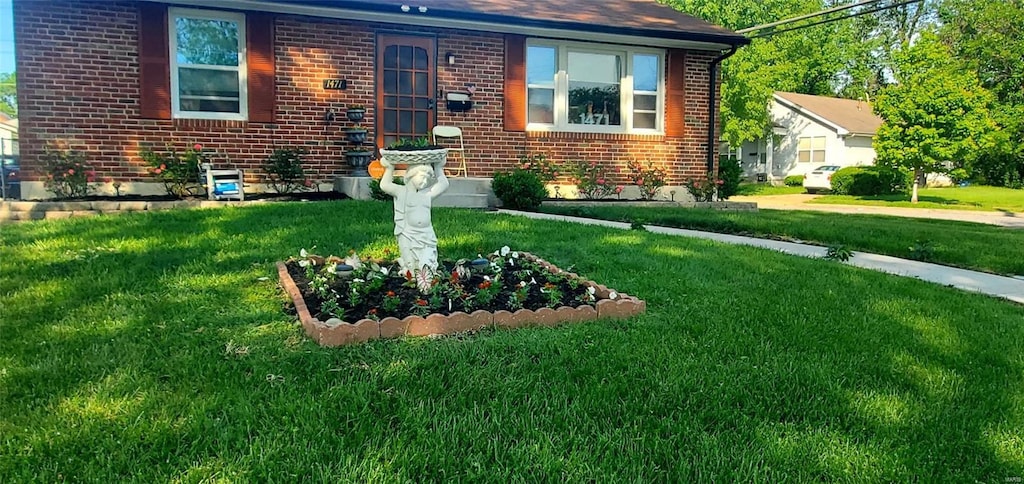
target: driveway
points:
(799, 202)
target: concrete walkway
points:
(993, 285)
(799, 202)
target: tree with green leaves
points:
(936, 116)
(8, 94)
(989, 37)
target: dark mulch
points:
(450, 293)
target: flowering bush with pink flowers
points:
(591, 179)
(705, 189)
(539, 164)
(67, 174)
(179, 171)
(649, 180)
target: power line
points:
(820, 22)
(807, 16)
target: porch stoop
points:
(462, 192)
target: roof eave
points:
(482, 22)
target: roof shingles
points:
(850, 114)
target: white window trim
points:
(561, 101)
(811, 150)
(243, 81)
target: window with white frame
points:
(811, 149)
(589, 88)
(208, 76)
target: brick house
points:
(576, 79)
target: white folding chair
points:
(453, 137)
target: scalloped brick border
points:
(624, 306)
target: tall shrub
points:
(730, 173)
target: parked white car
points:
(820, 178)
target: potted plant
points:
(414, 152)
(359, 159)
(355, 112)
(356, 134)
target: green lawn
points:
(956, 198)
(764, 189)
(155, 347)
(961, 244)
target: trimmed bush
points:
(377, 194)
(519, 189)
(866, 181)
(731, 173)
(794, 181)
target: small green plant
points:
(591, 179)
(649, 180)
(284, 170)
(179, 172)
(638, 225)
(922, 250)
(377, 194)
(838, 252)
(539, 164)
(409, 144)
(519, 189)
(67, 175)
(794, 181)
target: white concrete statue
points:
(417, 243)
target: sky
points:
(6, 37)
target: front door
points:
(405, 87)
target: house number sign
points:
(335, 83)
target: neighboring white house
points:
(810, 131)
(8, 133)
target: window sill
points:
(657, 137)
(210, 123)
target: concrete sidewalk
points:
(799, 202)
(999, 286)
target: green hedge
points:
(867, 180)
(519, 189)
(794, 181)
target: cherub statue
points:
(417, 243)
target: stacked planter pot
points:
(358, 158)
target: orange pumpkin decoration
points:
(376, 169)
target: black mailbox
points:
(459, 102)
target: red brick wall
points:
(77, 68)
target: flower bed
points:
(375, 300)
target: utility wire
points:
(820, 22)
(804, 17)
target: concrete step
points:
(462, 192)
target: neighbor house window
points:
(587, 88)
(207, 64)
(811, 149)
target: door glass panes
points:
(540, 81)
(404, 82)
(391, 57)
(421, 84)
(405, 76)
(594, 90)
(419, 59)
(405, 57)
(405, 122)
